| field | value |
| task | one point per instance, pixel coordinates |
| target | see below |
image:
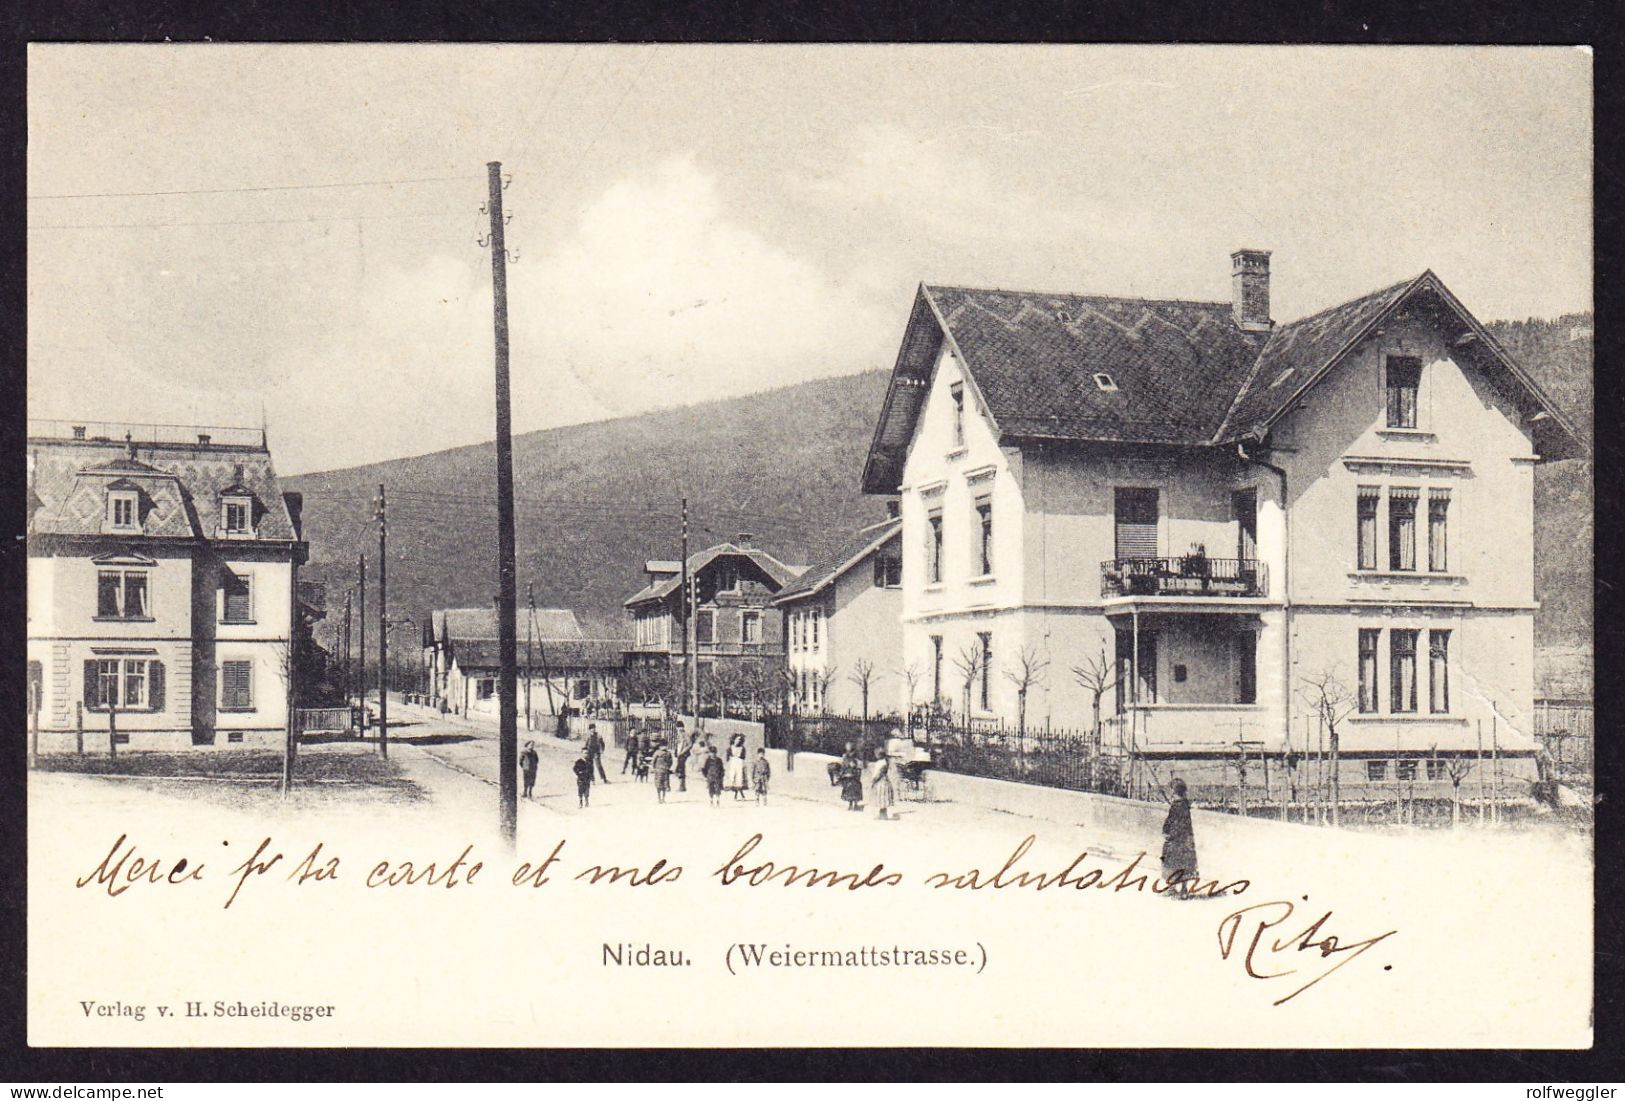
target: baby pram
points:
(913, 763)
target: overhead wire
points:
(243, 190)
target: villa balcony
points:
(1188, 575)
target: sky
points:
(698, 222)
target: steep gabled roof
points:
(848, 556)
(1302, 353)
(658, 590)
(1182, 373)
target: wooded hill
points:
(594, 501)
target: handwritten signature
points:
(1268, 916)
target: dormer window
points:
(237, 516)
(1105, 383)
(123, 510)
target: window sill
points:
(935, 587)
(957, 452)
(983, 579)
(1408, 717)
(1406, 575)
(239, 623)
(124, 619)
(236, 710)
(1407, 434)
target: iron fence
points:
(1070, 759)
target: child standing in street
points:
(662, 765)
(760, 772)
(583, 770)
(712, 771)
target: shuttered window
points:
(237, 686)
(237, 600)
(1136, 511)
(129, 684)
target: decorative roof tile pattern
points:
(1034, 357)
(179, 487)
(851, 554)
(1295, 352)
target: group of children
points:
(662, 757)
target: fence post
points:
(112, 731)
(79, 728)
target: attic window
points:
(236, 516)
(1064, 316)
(1105, 383)
(122, 510)
(1282, 377)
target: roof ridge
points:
(1079, 294)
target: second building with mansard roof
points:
(1218, 510)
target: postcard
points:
(561, 546)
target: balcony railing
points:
(1187, 575)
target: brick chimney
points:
(1250, 289)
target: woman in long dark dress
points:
(1179, 842)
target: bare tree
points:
(864, 675)
(1457, 768)
(824, 678)
(911, 677)
(969, 664)
(1025, 673)
(1332, 700)
(1097, 676)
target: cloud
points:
(661, 296)
(939, 187)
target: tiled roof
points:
(1181, 373)
(1175, 365)
(179, 487)
(580, 653)
(1296, 351)
(854, 551)
(480, 624)
(778, 571)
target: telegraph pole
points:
(383, 633)
(507, 644)
(344, 666)
(361, 650)
(530, 636)
(682, 603)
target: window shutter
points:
(90, 685)
(155, 685)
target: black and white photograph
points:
(794, 546)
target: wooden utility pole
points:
(361, 651)
(530, 635)
(687, 613)
(507, 643)
(383, 629)
(692, 633)
(344, 665)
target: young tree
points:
(1332, 700)
(969, 664)
(911, 679)
(1457, 768)
(863, 675)
(1097, 676)
(824, 678)
(1025, 673)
